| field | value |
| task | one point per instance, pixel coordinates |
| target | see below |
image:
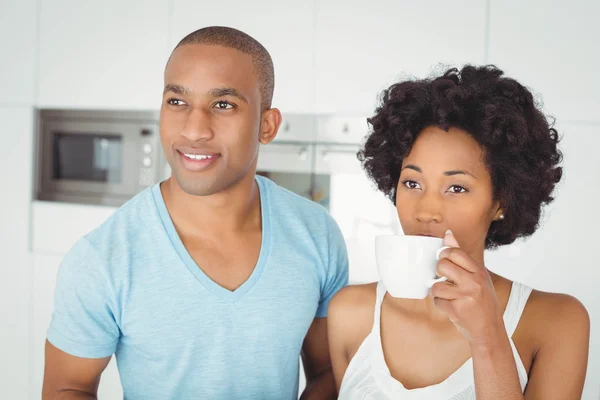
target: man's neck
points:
(233, 210)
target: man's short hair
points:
(235, 39)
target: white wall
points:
(561, 256)
(551, 49)
(18, 33)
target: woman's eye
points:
(175, 102)
(223, 105)
(411, 184)
(457, 189)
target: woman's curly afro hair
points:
(519, 145)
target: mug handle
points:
(437, 257)
(439, 251)
(434, 281)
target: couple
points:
(212, 283)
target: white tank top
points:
(368, 377)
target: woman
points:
(469, 157)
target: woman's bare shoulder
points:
(351, 309)
(550, 315)
(354, 299)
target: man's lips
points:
(196, 161)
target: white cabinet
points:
(102, 55)
(16, 175)
(17, 41)
(337, 159)
(284, 28)
(45, 268)
(16, 134)
(286, 157)
(296, 128)
(364, 46)
(553, 49)
(50, 234)
(342, 129)
(15, 294)
(44, 281)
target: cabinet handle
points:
(286, 127)
(345, 129)
(326, 154)
(303, 154)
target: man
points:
(210, 284)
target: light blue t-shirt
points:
(131, 288)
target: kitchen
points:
(331, 59)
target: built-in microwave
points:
(97, 157)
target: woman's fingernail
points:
(448, 232)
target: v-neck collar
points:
(196, 271)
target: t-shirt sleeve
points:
(337, 268)
(83, 321)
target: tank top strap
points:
(381, 291)
(519, 294)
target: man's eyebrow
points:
(221, 92)
(175, 88)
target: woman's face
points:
(443, 185)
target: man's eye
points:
(411, 184)
(223, 105)
(457, 189)
(175, 102)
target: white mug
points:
(407, 264)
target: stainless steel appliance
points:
(97, 157)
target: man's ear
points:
(270, 122)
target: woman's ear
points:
(499, 214)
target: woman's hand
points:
(468, 297)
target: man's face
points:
(210, 117)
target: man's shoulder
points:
(287, 204)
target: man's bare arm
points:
(67, 377)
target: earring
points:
(501, 217)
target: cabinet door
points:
(341, 129)
(296, 128)
(364, 46)
(16, 159)
(550, 48)
(102, 55)
(17, 41)
(284, 27)
(45, 269)
(286, 157)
